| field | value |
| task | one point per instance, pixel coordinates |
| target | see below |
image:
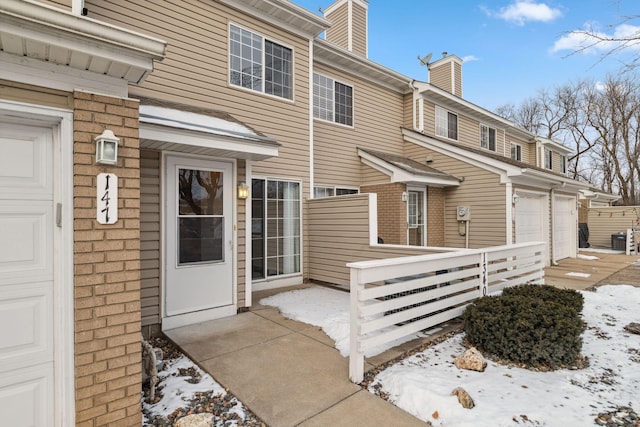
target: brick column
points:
(392, 212)
(107, 269)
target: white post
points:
(484, 275)
(356, 357)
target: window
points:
(548, 158)
(275, 228)
(487, 137)
(332, 100)
(323, 191)
(259, 64)
(563, 163)
(516, 152)
(446, 124)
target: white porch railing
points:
(396, 297)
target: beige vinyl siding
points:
(481, 191)
(359, 30)
(533, 155)
(195, 71)
(440, 76)
(377, 118)
(370, 176)
(150, 236)
(338, 33)
(605, 221)
(61, 4)
(339, 234)
(468, 130)
(35, 95)
(457, 72)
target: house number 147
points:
(107, 198)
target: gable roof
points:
(403, 169)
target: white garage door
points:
(530, 219)
(564, 227)
(26, 275)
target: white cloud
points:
(521, 11)
(470, 58)
(598, 41)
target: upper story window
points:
(487, 137)
(332, 100)
(446, 124)
(325, 191)
(260, 64)
(516, 152)
(563, 163)
(548, 158)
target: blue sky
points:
(512, 48)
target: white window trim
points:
(514, 144)
(335, 188)
(252, 91)
(438, 108)
(563, 163)
(548, 159)
(353, 99)
(495, 138)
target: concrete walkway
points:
(287, 372)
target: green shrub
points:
(533, 325)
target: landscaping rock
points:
(463, 397)
(633, 328)
(471, 360)
(196, 420)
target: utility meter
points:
(463, 213)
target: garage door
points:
(529, 219)
(26, 275)
(564, 227)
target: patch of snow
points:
(587, 257)
(327, 309)
(422, 384)
(574, 274)
(176, 390)
(602, 251)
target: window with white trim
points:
(275, 228)
(516, 152)
(320, 192)
(563, 163)
(487, 138)
(260, 64)
(446, 123)
(548, 158)
(332, 100)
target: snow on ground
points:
(602, 251)
(184, 387)
(504, 396)
(587, 257)
(327, 309)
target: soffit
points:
(329, 54)
(283, 13)
(44, 33)
(199, 131)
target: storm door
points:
(199, 236)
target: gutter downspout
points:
(311, 165)
(418, 112)
(77, 6)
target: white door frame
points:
(573, 200)
(171, 322)
(423, 191)
(61, 121)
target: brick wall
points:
(435, 216)
(392, 212)
(107, 269)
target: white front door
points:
(199, 237)
(26, 275)
(564, 227)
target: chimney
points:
(446, 73)
(349, 25)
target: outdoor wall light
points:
(243, 191)
(515, 198)
(107, 148)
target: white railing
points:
(633, 241)
(396, 297)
